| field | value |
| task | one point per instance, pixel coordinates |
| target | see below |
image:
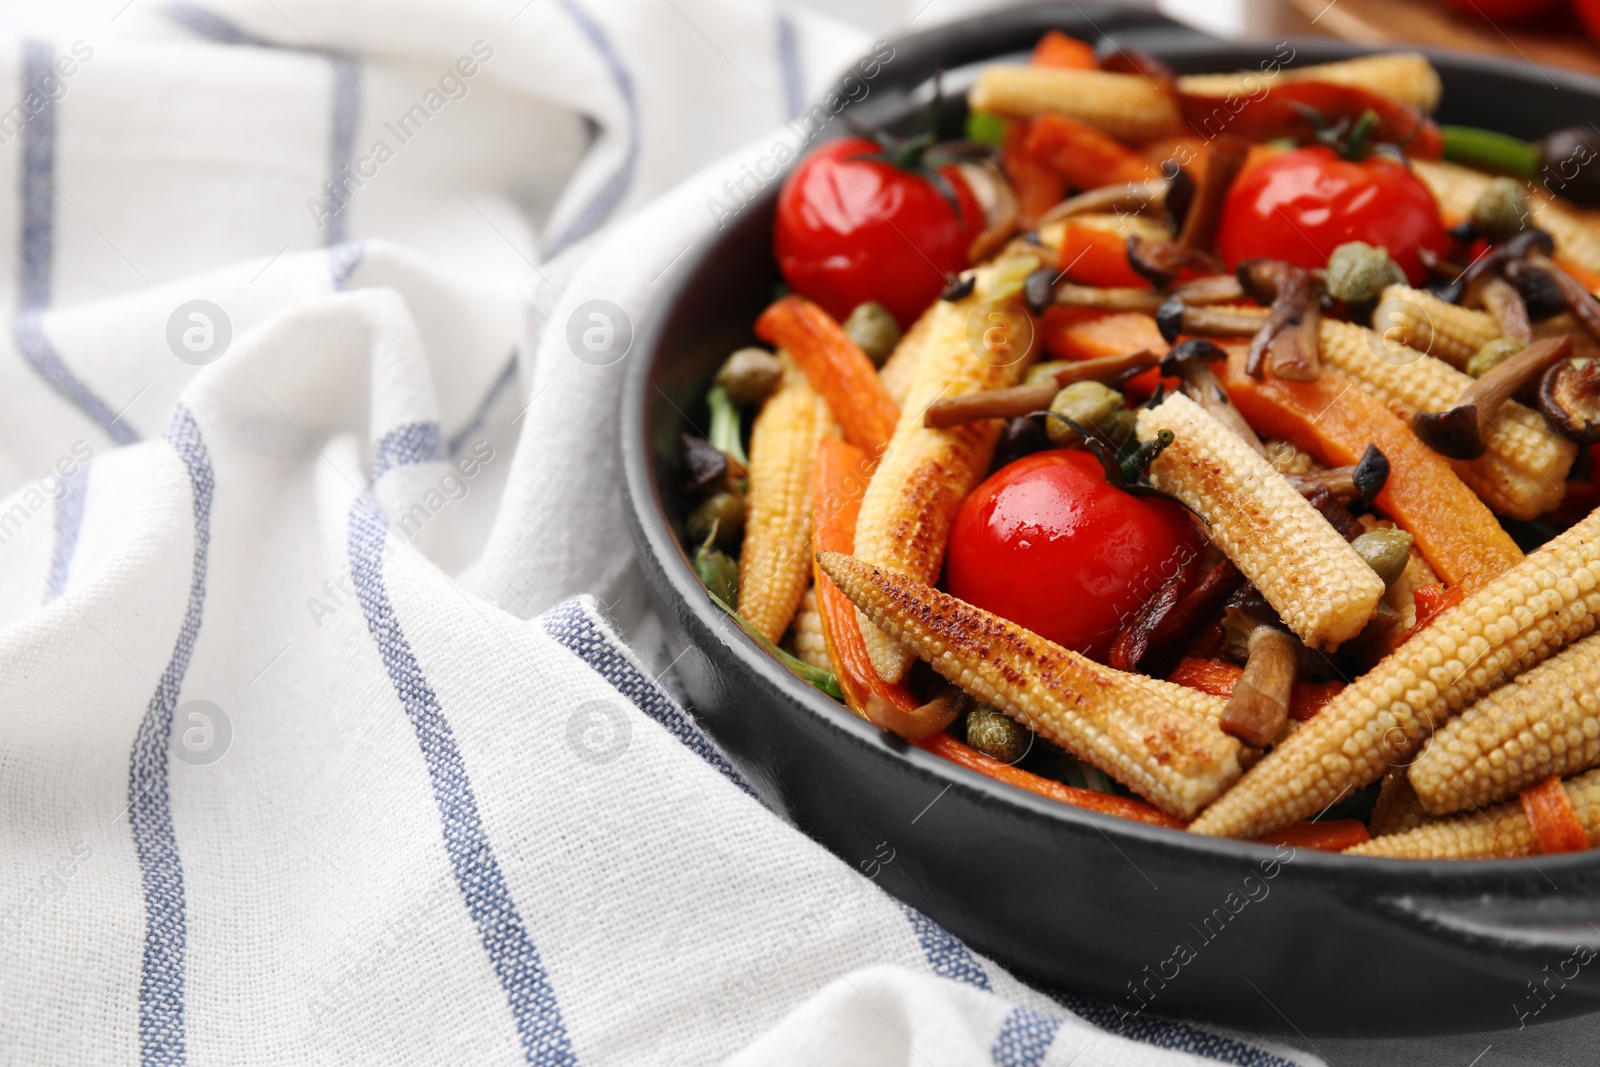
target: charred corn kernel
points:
(1177, 760)
(1404, 76)
(1500, 832)
(809, 643)
(1127, 106)
(1324, 592)
(776, 558)
(1457, 188)
(1287, 459)
(1398, 808)
(1523, 471)
(1544, 722)
(1532, 611)
(1418, 320)
(924, 475)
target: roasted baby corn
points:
(809, 644)
(1500, 832)
(1177, 760)
(921, 480)
(1546, 602)
(1302, 566)
(1416, 319)
(1524, 469)
(1456, 187)
(1544, 722)
(776, 557)
(1127, 106)
(1404, 76)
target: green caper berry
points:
(1501, 210)
(872, 327)
(1492, 354)
(1386, 552)
(726, 510)
(996, 735)
(1358, 272)
(1089, 404)
(750, 375)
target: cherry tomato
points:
(851, 229)
(1047, 543)
(1506, 12)
(1307, 202)
(1589, 14)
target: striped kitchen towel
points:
(323, 738)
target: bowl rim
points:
(655, 535)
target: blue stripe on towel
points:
(511, 951)
(205, 23)
(1169, 1034)
(794, 86)
(605, 199)
(575, 628)
(161, 1013)
(344, 260)
(37, 200)
(415, 442)
(1024, 1038)
(69, 521)
(947, 955)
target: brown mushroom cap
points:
(1569, 396)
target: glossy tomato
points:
(852, 229)
(1305, 203)
(1507, 12)
(1047, 543)
(1589, 14)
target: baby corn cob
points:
(1416, 319)
(1456, 187)
(1541, 605)
(1305, 569)
(1177, 760)
(1287, 459)
(1500, 832)
(1544, 722)
(1127, 106)
(1404, 76)
(775, 559)
(809, 644)
(1524, 469)
(924, 475)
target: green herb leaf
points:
(815, 677)
(986, 128)
(726, 428)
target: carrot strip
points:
(1588, 278)
(839, 479)
(1189, 153)
(1335, 420)
(1433, 600)
(1218, 677)
(954, 751)
(1092, 255)
(1056, 49)
(1082, 333)
(1037, 187)
(1335, 835)
(1554, 820)
(1085, 156)
(836, 368)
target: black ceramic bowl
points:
(1072, 899)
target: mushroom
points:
(704, 464)
(1190, 362)
(1579, 300)
(1225, 157)
(1569, 396)
(1502, 300)
(1259, 707)
(1160, 261)
(1363, 481)
(998, 202)
(1041, 290)
(1032, 396)
(1134, 196)
(1210, 289)
(1175, 318)
(1292, 292)
(1462, 431)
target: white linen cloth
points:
(318, 743)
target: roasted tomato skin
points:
(1303, 204)
(852, 229)
(1047, 543)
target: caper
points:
(1092, 406)
(1358, 272)
(750, 375)
(725, 509)
(996, 735)
(874, 328)
(1501, 211)
(1386, 552)
(1494, 353)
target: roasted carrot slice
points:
(1084, 155)
(1082, 333)
(1335, 835)
(1335, 420)
(1094, 250)
(1433, 600)
(1056, 49)
(954, 751)
(1218, 677)
(1553, 818)
(1038, 188)
(836, 368)
(840, 477)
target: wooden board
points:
(1556, 39)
